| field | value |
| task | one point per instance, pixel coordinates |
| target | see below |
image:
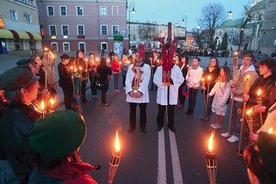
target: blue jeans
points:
(192, 98)
(235, 119)
(116, 80)
(7, 175)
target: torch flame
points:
(259, 92)
(117, 143)
(249, 111)
(270, 130)
(52, 101)
(42, 105)
(210, 142)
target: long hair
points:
(255, 165)
(217, 63)
(77, 56)
(227, 73)
(102, 62)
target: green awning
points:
(23, 35)
(36, 36)
(118, 37)
(4, 33)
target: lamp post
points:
(184, 20)
(131, 9)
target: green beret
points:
(267, 150)
(23, 61)
(58, 134)
(16, 78)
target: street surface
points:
(154, 157)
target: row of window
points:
(80, 11)
(81, 30)
(14, 16)
(81, 46)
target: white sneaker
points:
(233, 138)
(225, 134)
(215, 126)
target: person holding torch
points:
(266, 82)
(246, 69)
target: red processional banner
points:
(167, 58)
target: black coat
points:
(17, 120)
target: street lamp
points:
(184, 20)
(198, 28)
(132, 10)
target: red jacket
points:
(116, 67)
(67, 173)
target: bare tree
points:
(147, 32)
(213, 15)
(247, 18)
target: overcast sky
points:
(164, 11)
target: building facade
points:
(87, 25)
(19, 27)
(148, 34)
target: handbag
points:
(99, 85)
(185, 90)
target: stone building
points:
(259, 32)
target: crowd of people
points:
(25, 132)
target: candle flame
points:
(248, 76)
(249, 111)
(42, 105)
(259, 92)
(71, 67)
(80, 68)
(210, 142)
(209, 78)
(270, 130)
(117, 143)
(236, 53)
(202, 79)
(52, 101)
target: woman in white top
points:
(221, 92)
